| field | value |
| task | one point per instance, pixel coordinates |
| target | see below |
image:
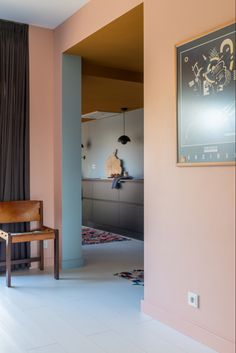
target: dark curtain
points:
(14, 123)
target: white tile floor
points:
(87, 311)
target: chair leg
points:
(41, 255)
(56, 255)
(8, 260)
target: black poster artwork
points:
(206, 80)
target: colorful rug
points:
(136, 276)
(95, 236)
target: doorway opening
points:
(112, 79)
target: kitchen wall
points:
(99, 138)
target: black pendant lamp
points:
(123, 138)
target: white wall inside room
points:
(99, 138)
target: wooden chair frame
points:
(27, 211)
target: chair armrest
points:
(41, 230)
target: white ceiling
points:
(43, 13)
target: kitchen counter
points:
(115, 210)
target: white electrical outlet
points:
(45, 244)
(193, 300)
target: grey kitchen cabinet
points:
(115, 210)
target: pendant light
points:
(124, 139)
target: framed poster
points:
(206, 80)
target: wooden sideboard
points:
(115, 210)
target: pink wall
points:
(41, 121)
(189, 212)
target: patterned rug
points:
(136, 276)
(95, 236)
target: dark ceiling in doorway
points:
(113, 65)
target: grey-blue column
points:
(71, 162)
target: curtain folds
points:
(14, 122)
